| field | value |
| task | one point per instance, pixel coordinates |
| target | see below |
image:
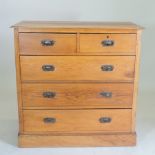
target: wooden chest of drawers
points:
(77, 83)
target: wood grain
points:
(123, 43)
(77, 95)
(78, 24)
(136, 79)
(30, 43)
(86, 140)
(73, 121)
(18, 79)
(77, 68)
(81, 27)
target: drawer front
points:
(99, 95)
(108, 43)
(46, 43)
(117, 120)
(105, 68)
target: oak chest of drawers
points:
(77, 83)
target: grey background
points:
(141, 12)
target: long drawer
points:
(105, 68)
(77, 121)
(75, 95)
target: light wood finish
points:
(18, 79)
(136, 79)
(77, 121)
(30, 43)
(77, 68)
(77, 80)
(81, 27)
(82, 140)
(77, 95)
(123, 43)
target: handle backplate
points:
(107, 67)
(107, 43)
(49, 94)
(49, 120)
(48, 68)
(106, 94)
(105, 120)
(47, 42)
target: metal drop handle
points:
(49, 94)
(106, 94)
(48, 68)
(49, 120)
(107, 67)
(105, 120)
(107, 43)
(47, 42)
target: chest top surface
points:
(70, 26)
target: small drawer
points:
(108, 43)
(47, 43)
(77, 121)
(73, 68)
(77, 95)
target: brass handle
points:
(106, 94)
(47, 42)
(49, 94)
(107, 43)
(48, 68)
(49, 120)
(105, 120)
(107, 67)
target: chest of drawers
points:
(77, 83)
